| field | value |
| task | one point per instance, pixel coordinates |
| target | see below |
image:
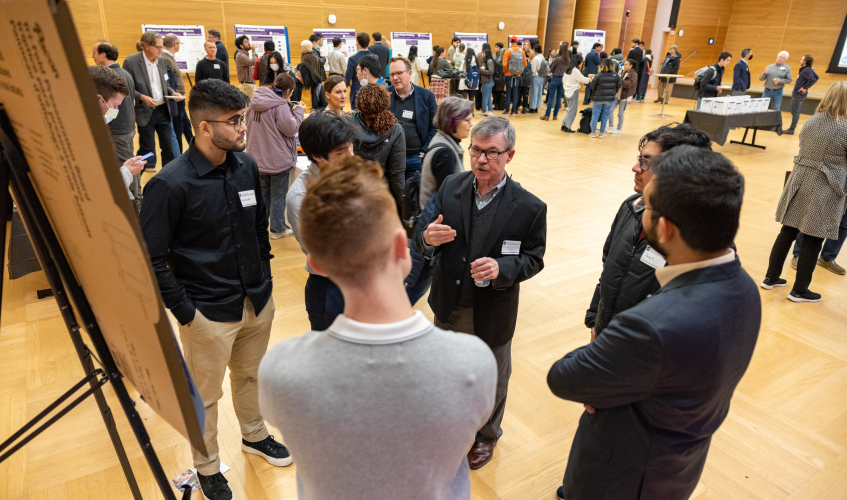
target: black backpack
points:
(526, 76)
(585, 121)
(499, 76)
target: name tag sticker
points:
(248, 198)
(217, 66)
(408, 114)
(653, 258)
(511, 247)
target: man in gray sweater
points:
(382, 405)
(775, 77)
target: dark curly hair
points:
(372, 101)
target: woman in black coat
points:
(604, 86)
(309, 80)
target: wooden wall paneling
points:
(700, 20)
(560, 22)
(765, 47)
(586, 14)
(771, 13)
(88, 19)
(821, 14)
(460, 6)
(515, 25)
(819, 43)
(635, 27)
(433, 22)
(610, 20)
(541, 30)
(649, 24)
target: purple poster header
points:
(330, 34)
(410, 36)
(472, 37)
(590, 34)
(260, 31)
(164, 29)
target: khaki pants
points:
(662, 86)
(209, 348)
(247, 89)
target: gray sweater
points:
(781, 71)
(379, 411)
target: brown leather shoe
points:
(831, 266)
(480, 454)
(544, 118)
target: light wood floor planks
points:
(785, 437)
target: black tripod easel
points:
(14, 175)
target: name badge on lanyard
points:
(653, 258)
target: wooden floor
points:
(785, 437)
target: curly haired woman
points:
(381, 139)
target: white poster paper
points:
(473, 40)
(191, 40)
(260, 34)
(348, 41)
(401, 41)
(587, 38)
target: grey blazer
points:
(136, 67)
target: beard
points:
(653, 239)
(226, 144)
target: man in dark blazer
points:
(221, 55)
(741, 73)
(592, 65)
(152, 110)
(657, 384)
(382, 52)
(362, 42)
(486, 235)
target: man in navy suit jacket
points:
(657, 384)
(741, 73)
(382, 52)
(362, 42)
(592, 65)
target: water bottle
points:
(481, 284)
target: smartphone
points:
(148, 155)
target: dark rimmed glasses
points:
(491, 155)
(236, 123)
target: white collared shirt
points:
(155, 80)
(344, 328)
(666, 274)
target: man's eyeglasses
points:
(398, 73)
(644, 162)
(158, 47)
(236, 123)
(491, 155)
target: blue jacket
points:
(592, 63)
(425, 108)
(741, 76)
(805, 80)
(350, 77)
(661, 377)
(222, 55)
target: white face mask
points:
(110, 114)
(275, 67)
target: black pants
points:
(182, 125)
(796, 106)
(805, 263)
(525, 98)
(324, 302)
(159, 124)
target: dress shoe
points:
(560, 493)
(789, 131)
(831, 266)
(480, 454)
(545, 118)
(657, 101)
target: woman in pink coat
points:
(272, 125)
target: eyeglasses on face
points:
(644, 162)
(491, 155)
(398, 73)
(236, 123)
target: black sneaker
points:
(560, 493)
(806, 296)
(275, 453)
(214, 487)
(768, 283)
(789, 131)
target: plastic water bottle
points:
(481, 284)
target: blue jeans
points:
(175, 141)
(274, 190)
(621, 105)
(535, 93)
(487, 105)
(776, 98)
(554, 96)
(413, 179)
(600, 112)
(830, 247)
(324, 302)
(698, 102)
(513, 92)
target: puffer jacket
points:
(390, 152)
(272, 125)
(625, 280)
(604, 86)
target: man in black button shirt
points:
(206, 228)
(210, 66)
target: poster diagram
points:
(401, 41)
(473, 40)
(587, 38)
(261, 34)
(191, 40)
(348, 41)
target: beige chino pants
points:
(210, 347)
(247, 89)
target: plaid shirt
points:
(244, 66)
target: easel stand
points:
(14, 174)
(743, 139)
(666, 96)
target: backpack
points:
(499, 76)
(526, 77)
(516, 64)
(585, 121)
(699, 75)
(544, 69)
(472, 80)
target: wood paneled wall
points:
(560, 22)
(119, 21)
(699, 20)
(586, 15)
(610, 20)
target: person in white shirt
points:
(336, 59)
(571, 81)
(537, 79)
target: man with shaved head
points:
(775, 76)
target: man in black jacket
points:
(657, 384)
(636, 53)
(486, 235)
(628, 276)
(382, 52)
(318, 42)
(670, 66)
(710, 83)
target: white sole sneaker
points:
(771, 287)
(279, 462)
(615, 131)
(207, 498)
(802, 299)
